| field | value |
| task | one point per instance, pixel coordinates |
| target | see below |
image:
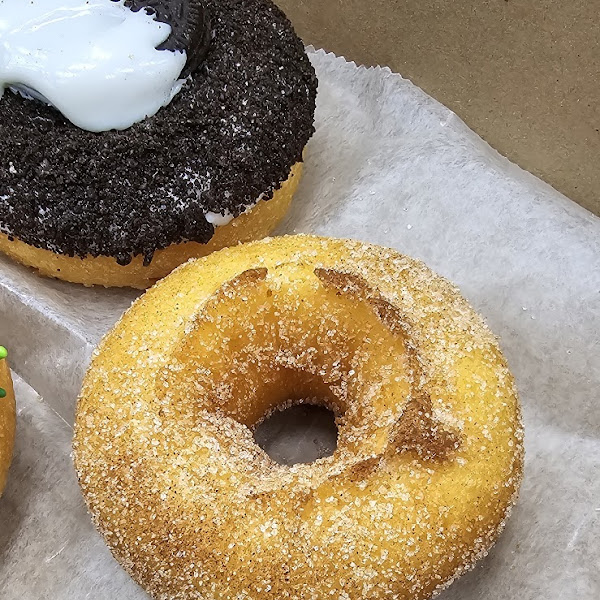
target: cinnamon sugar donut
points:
(429, 455)
(7, 418)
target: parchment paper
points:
(391, 166)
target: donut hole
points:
(300, 433)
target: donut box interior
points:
(388, 165)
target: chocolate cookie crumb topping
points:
(230, 135)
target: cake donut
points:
(7, 418)
(430, 447)
(183, 134)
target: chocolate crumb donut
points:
(124, 207)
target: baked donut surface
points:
(227, 141)
(429, 455)
(7, 418)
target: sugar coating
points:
(430, 446)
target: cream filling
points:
(93, 60)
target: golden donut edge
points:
(7, 422)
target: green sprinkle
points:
(2, 393)
(3, 352)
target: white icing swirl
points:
(94, 60)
